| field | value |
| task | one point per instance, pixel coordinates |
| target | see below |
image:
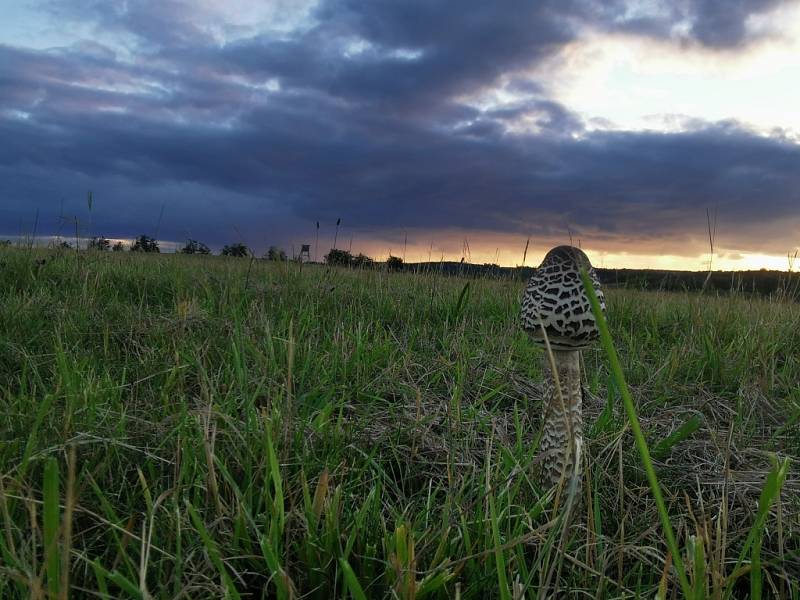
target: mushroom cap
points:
(555, 298)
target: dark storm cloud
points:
(362, 115)
(720, 24)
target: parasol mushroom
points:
(556, 313)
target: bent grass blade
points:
(641, 445)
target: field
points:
(196, 427)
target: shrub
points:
(362, 260)
(276, 254)
(144, 243)
(394, 263)
(195, 247)
(238, 249)
(338, 257)
(118, 247)
(99, 243)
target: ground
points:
(178, 426)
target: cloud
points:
(716, 24)
(419, 115)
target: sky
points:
(433, 129)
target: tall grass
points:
(253, 431)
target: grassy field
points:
(180, 427)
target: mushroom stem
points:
(562, 438)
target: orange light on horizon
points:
(511, 256)
(508, 251)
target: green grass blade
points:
(499, 555)
(273, 563)
(641, 445)
(44, 409)
(213, 552)
(117, 578)
(463, 297)
(433, 583)
(663, 447)
(350, 579)
(605, 419)
(770, 491)
(699, 569)
(100, 577)
(274, 474)
(50, 516)
(755, 570)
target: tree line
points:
(147, 244)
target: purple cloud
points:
(361, 113)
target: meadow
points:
(204, 427)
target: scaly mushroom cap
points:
(555, 297)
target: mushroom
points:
(556, 313)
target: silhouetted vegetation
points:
(118, 247)
(341, 258)
(344, 258)
(238, 250)
(276, 254)
(195, 247)
(144, 243)
(362, 261)
(394, 263)
(762, 282)
(99, 243)
(5, 243)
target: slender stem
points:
(554, 373)
(561, 440)
(562, 427)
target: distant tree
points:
(195, 247)
(394, 263)
(276, 254)
(5, 243)
(238, 249)
(362, 260)
(144, 243)
(339, 257)
(118, 247)
(99, 243)
(64, 245)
